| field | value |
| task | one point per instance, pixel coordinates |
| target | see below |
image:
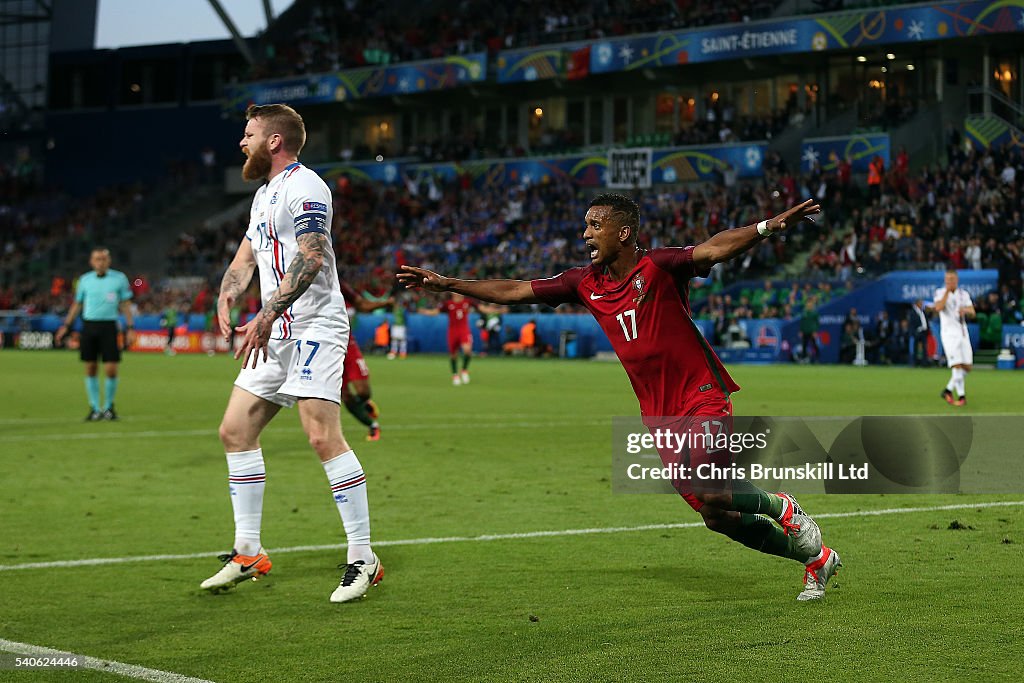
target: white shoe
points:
(465, 377)
(358, 578)
(237, 568)
(456, 380)
(817, 574)
(798, 525)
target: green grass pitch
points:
(524, 448)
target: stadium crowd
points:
(39, 231)
(329, 36)
(529, 231)
(966, 213)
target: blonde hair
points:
(283, 120)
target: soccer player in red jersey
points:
(641, 300)
(355, 380)
(460, 337)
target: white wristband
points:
(762, 229)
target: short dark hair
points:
(623, 208)
(951, 269)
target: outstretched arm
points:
(730, 243)
(312, 250)
(494, 291)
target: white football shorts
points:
(957, 348)
(294, 369)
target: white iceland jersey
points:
(297, 201)
(951, 321)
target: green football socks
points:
(748, 498)
(760, 534)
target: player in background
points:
(641, 300)
(460, 337)
(99, 296)
(300, 334)
(399, 335)
(355, 386)
(953, 304)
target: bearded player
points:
(641, 300)
(292, 350)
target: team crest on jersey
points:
(273, 200)
(639, 284)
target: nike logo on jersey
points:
(595, 297)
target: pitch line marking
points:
(159, 433)
(105, 665)
(477, 423)
(95, 561)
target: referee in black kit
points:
(99, 296)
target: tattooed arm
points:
(303, 270)
(233, 285)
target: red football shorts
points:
(457, 339)
(700, 455)
(355, 366)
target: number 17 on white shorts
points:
(294, 369)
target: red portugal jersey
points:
(458, 314)
(646, 316)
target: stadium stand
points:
(936, 201)
(317, 36)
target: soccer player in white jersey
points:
(293, 350)
(954, 305)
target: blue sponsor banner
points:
(1013, 339)
(352, 84)
(893, 292)
(858, 28)
(683, 164)
(429, 333)
(991, 132)
(587, 170)
(908, 286)
(389, 172)
(859, 149)
(533, 63)
(385, 172)
(764, 333)
(669, 165)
